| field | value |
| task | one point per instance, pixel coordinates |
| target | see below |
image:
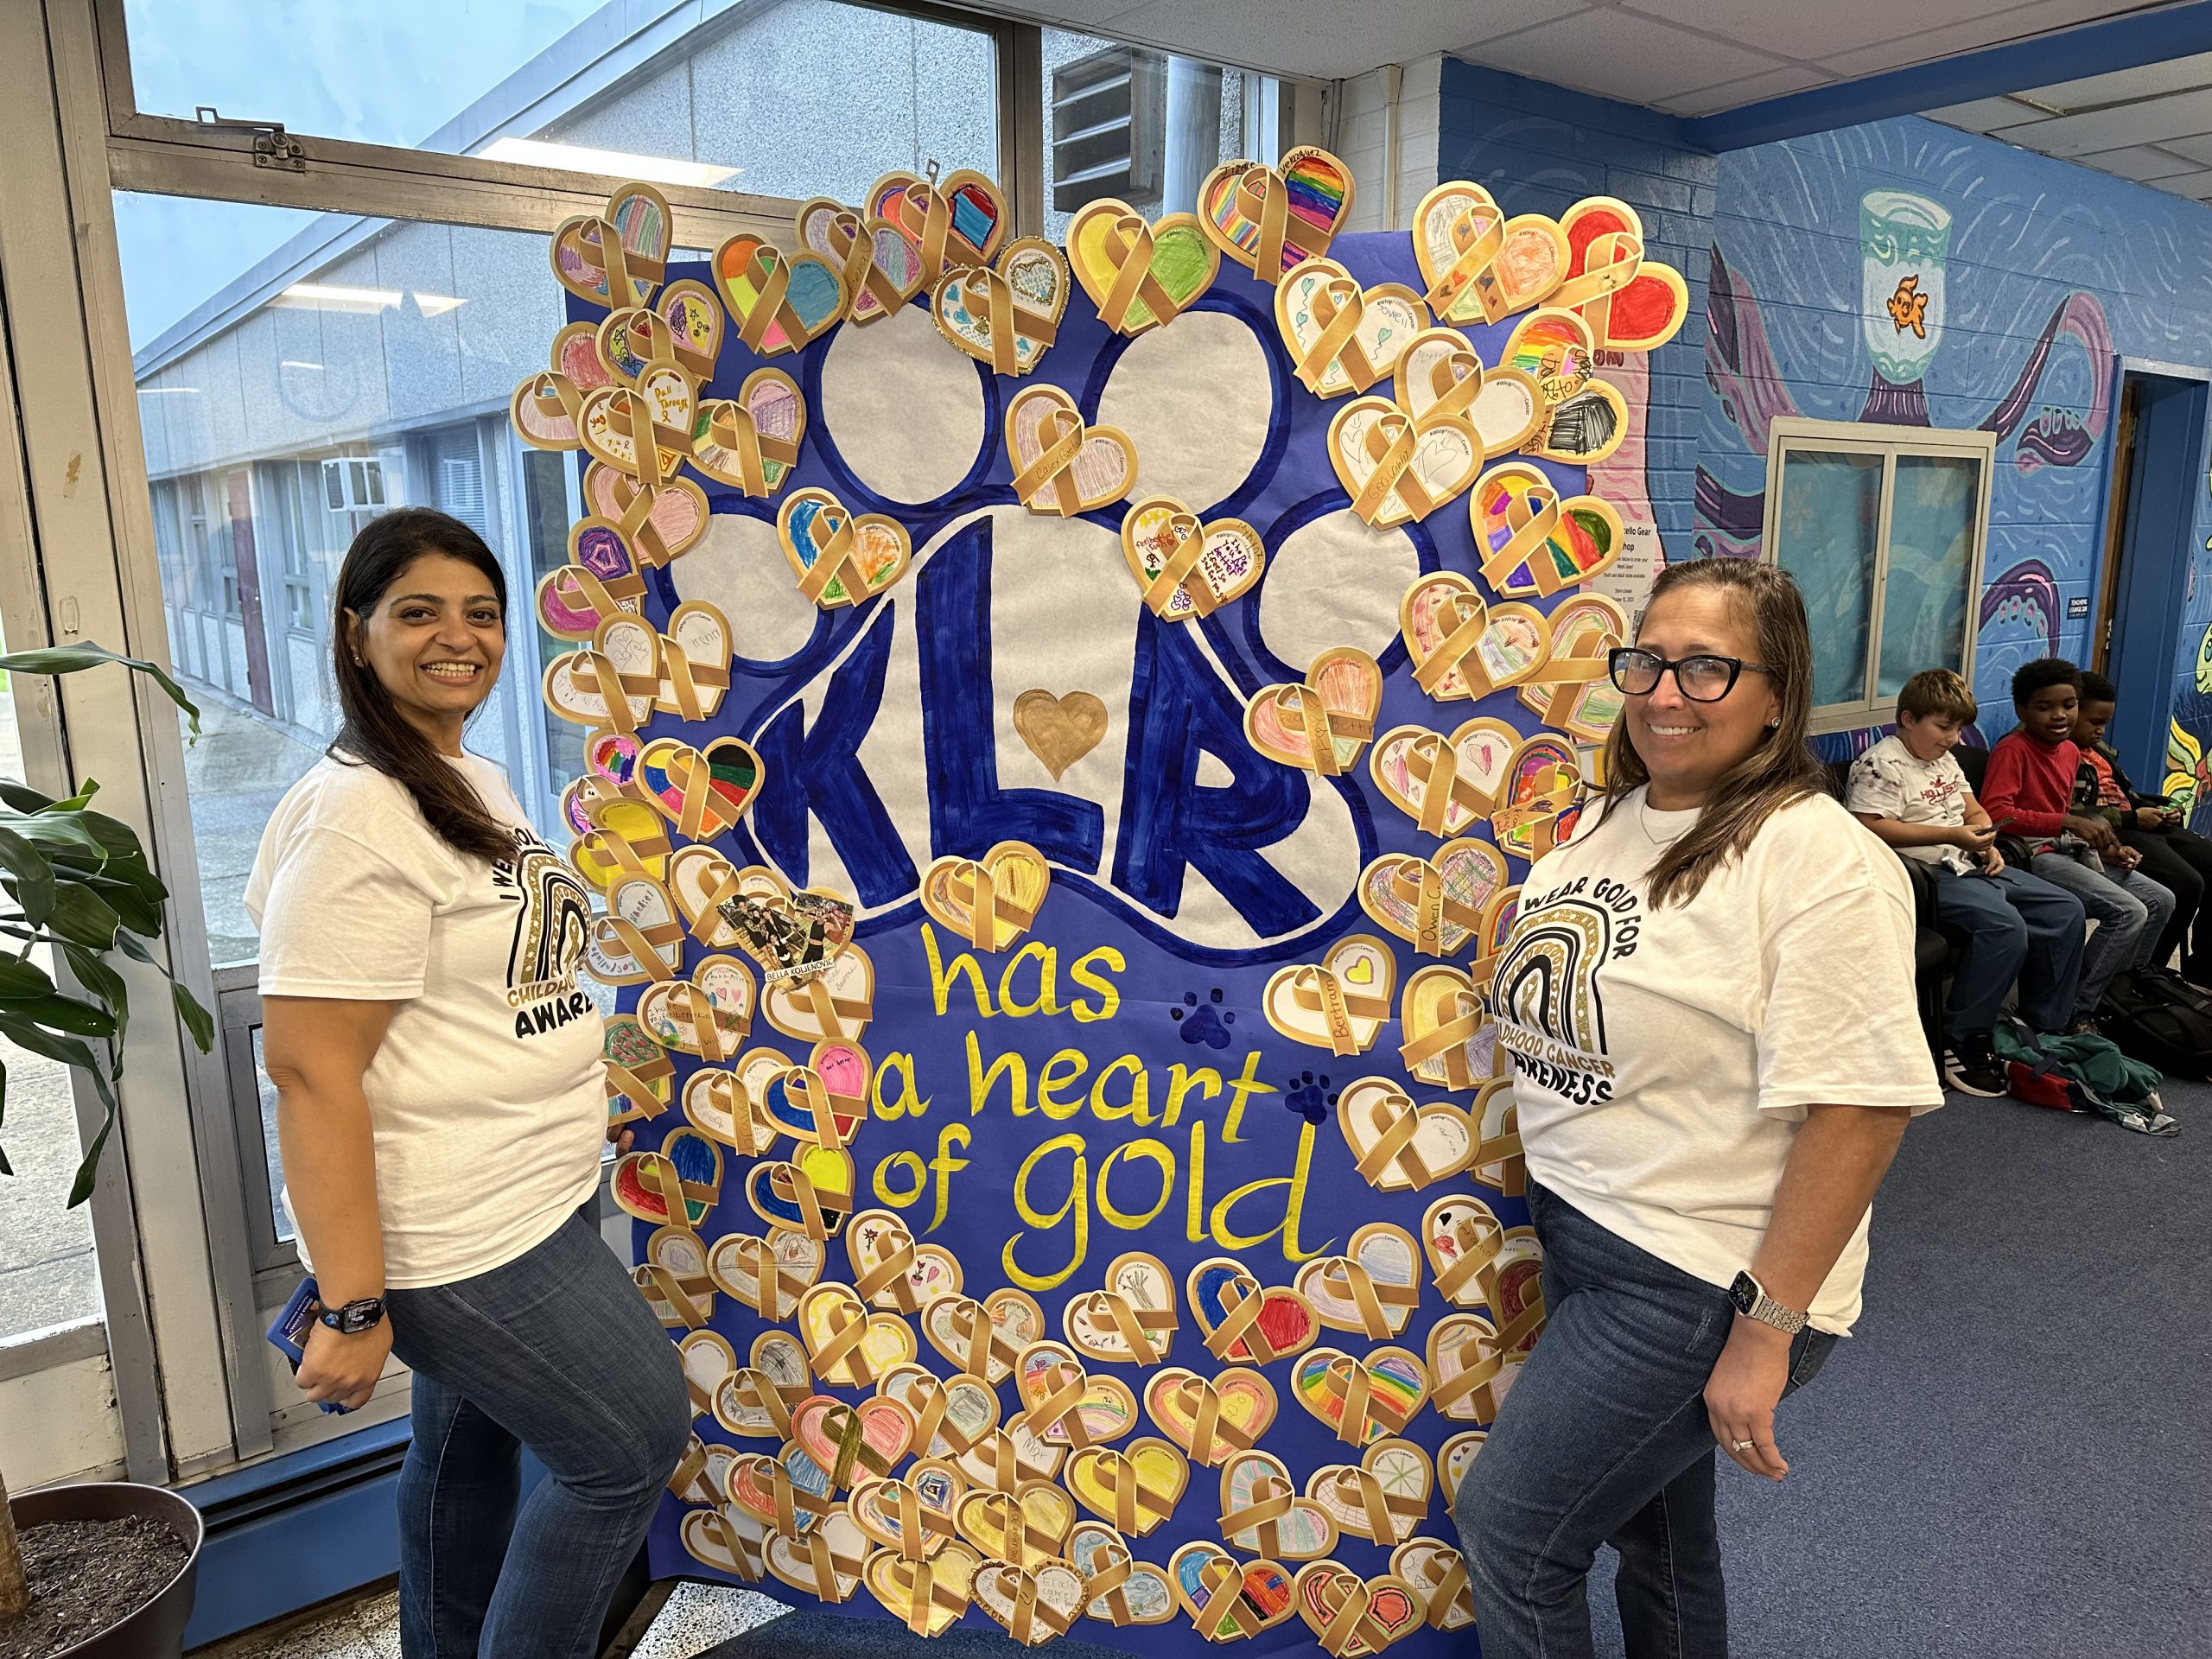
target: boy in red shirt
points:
(2174, 856)
(2028, 792)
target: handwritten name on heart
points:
(1184, 566)
(1008, 317)
(1139, 275)
(1269, 219)
(1060, 465)
(1322, 723)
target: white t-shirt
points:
(1663, 1059)
(487, 1098)
(1890, 781)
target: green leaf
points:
(106, 987)
(26, 1033)
(197, 1019)
(20, 979)
(88, 1171)
(22, 797)
(30, 877)
(68, 660)
(130, 906)
(84, 917)
(70, 1014)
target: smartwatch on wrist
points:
(1753, 1303)
(354, 1318)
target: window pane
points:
(1140, 126)
(1826, 536)
(279, 418)
(1933, 506)
(608, 86)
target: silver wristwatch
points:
(1753, 1303)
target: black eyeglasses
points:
(1636, 672)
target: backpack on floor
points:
(2156, 1022)
(2083, 1073)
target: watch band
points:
(1767, 1311)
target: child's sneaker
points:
(1970, 1067)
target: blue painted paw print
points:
(1310, 1097)
(1206, 1022)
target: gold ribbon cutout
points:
(999, 1457)
(1473, 1382)
(657, 1175)
(1390, 442)
(1021, 1544)
(929, 1401)
(1147, 1333)
(1211, 1434)
(646, 945)
(1126, 246)
(843, 1348)
(1431, 758)
(1241, 1299)
(1352, 1282)
(852, 245)
(741, 1550)
(1449, 1040)
(836, 551)
(1186, 547)
(1451, 395)
(776, 1287)
(769, 273)
(1532, 517)
(1226, 1604)
(928, 225)
(840, 1018)
(594, 672)
(1474, 252)
(965, 883)
(1302, 710)
(655, 450)
(1609, 266)
(1451, 1589)
(792, 1184)
(1138, 1507)
(1349, 1374)
(803, 1087)
(1317, 990)
(1339, 308)
(598, 242)
(1110, 1584)
(790, 1502)
(1353, 1622)
(554, 396)
(844, 1426)
(893, 1263)
(1263, 197)
(1005, 318)
(579, 590)
(718, 1029)
(1433, 906)
(927, 1594)
(682, 1292)
(636, 496)
(1262, 1512)
(1386, 1515)
(1066, 1385)
(1031, 1615)
(730, 426)
(835, 1575)
(1053, 470)
(689, 771)
(682, 681)
(1457, 649)
(974, 1331)
(751, 1389)
(917, 1523)
(1396, 1120)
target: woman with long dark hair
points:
(441, 1109)
(1707, 999)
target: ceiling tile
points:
(2012, 24)
(2195, 186)
(1319, 38)
(2153, 121)
(2198, 150)
(1815, 31)
(2126, 85)
(2142, 163)
(1984, 114)
(1619, 55)
(1734, 94)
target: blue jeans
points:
(2130, 909)
(1604, 1440)
(2017, 926)
(557, 1351)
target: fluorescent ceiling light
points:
(168, 391)
(293, 363)
(326, 297)
(436, 305)
(580, 158)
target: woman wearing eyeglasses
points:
(1707, 999)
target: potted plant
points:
(111, 1564)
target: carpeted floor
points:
(2011, 1458)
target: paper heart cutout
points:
(1240, 1319)
(1643, 303)
(1132, 1320)
(1481, 266)
(788, 1489)
(1440, 379)
(663, 522)
(833, 1006)
(639, 1071)
(751, 442)
(1059, 730)
(1139, 275)
(1461, 647)
(626, 838)
(1435, 904)
(712, 1539)
(854, 1443)
(1064, 1405)
(1372, 1286)
(1343, 338)
(848, 1346)
(1398, 1145)
(1544, 797)
(911, 1516)
(1445, 784)
(1363, 1399)
(1268, 219)
(1340, 1003)
(1534, 542)
(702, 1474)
(1024, 1526)
(1121, 1590)
(1588, 625)
(929, 1596)
(890, 1270)
(703, 792)
(586, 687)
(881, 269)
(546, 411)
(1438, 1572)
(616, 258)
(778, 301)
(768, 1275)
(990, 901)
(1451, 1042)
(643, 432)
(1473, 1358)
(959, 220)
(694, 316)
(1395, 471)
(824, 1562)
(840, 558)
(1354, 1616)
(695, 657)
(707, 1014)
(1454, 1457)
(602, 579)
(639, 937)
(823, 1103)
(718, 1100)
(1134, 1489)
(1186, 567)
(1263, 1515)
(1586, 418)
(949, 1416)
(1002, 1459)
(1321, 725)
(1060, 465)
(1007, 318)
(707, 1358)
(575, 353)
(1229, 1599)
(1035, 1603)
(1382, 1497)
(680, 1182)
(984, 1338)
(809, 1193)
(1211, 1417)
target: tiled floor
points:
(695, 1617)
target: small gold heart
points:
(1059, 730)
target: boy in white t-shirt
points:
(1910, 790)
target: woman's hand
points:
(622, 1135)
(342, 1370)
(1740, 1396)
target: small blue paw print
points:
(1206, 1022)
(1310, 1097)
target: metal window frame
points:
(1797, 434)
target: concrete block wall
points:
(1378, 155)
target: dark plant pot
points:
(157, 1629)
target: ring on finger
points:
(1743, 1445)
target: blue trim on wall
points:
(2096, 48)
